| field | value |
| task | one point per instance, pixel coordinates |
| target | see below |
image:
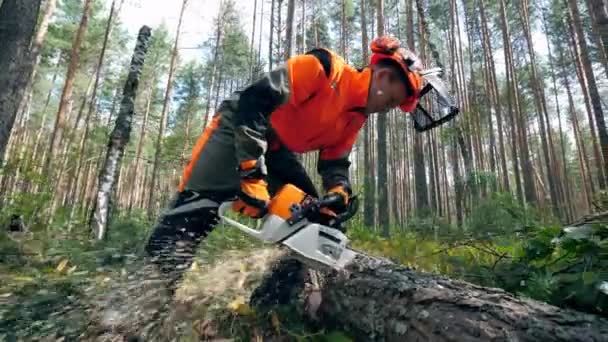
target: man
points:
(314, 102)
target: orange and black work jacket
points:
(313, 102)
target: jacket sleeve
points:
(333, 164)
(292, 83)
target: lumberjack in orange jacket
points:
(314, 102)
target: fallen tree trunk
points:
(376, 300)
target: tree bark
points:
(216, 50)
(518, 128)
(422, 198)
(596, 103)
(163, 115)
(118, 140)
(541, 108)
(18, 20)
(291, 7)
(376, 300)
(68, 88)
(92, 103)
(251, 59)
(368, 181)
(598, 10)
(270, 42)
(383, 210)
(34, 57)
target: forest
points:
(98, 122)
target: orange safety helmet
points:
(440, 107)
(389, 47)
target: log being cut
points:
(377, 300)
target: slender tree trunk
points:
(163, 115)
(93, 101)
(422, 200)
(598, 11)
(118, 140)
(368, 181)
(514, 103)
(270, 41)
(567, 200)
(596, 103)
(34, 57)
(66, 95)
(587, 182)
(497, 102)
(291, 8)
(18, 18)
(574, 55)
(259, 52)
(541, 108)
(251, 60)
(383, 200)
(211, 84)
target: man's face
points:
(386, 91)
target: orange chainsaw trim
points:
(198, 149)
(286, 196)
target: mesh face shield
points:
(435, 106)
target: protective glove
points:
(253, 196)
(339, 195)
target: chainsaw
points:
(295, 219)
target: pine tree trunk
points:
(587, 182)
(251, 60)
(18, 18)
(383, 210)
(92, 103)
(496, 96)
(164, 112)
(34, 57)
(68, 88)
(574, 55)
(270, 40)
(422, 200)
(368, 181)
(291, 8)
(598, 10)
(118, 140)
(518, 130)
(216, 50)
(596, 103)
(566, 189)
(541, 108)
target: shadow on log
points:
(377, 300)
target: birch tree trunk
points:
(118, 140)
(163, 116)
(18, 18)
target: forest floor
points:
(104, 295)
